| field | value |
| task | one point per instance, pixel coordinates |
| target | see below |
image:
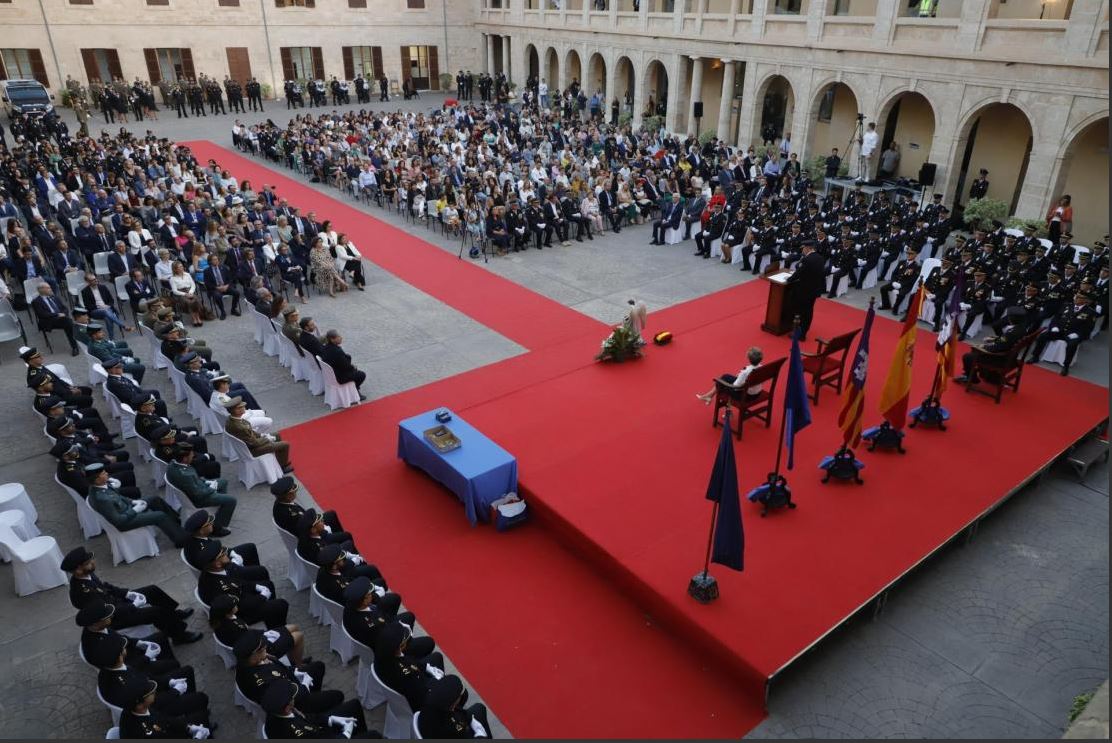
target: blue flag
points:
(796, 404)
(729, 538)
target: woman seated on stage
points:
(755, 356)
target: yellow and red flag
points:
(897, 387)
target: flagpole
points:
(775, 475)
(843, 464)
(710, 539)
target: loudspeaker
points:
(926, 174)
(698, 112)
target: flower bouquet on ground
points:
(621, 344)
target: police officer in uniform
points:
(1072, 324)
(219, 576)
(125, 513)
(142, 719)
(1014, 330)
(285, 720)
(133, 607)
(151, 654)
(940, 283)
(287, 512)
(364, 616)
(254, 94)
(177, 100)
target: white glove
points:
(1055, 330)
(234, 557)
(151, 649)
(340, 721)
(271, 635)
(114, 483)
(930, 296)
(137, 599)
(477, 727)
(199, 732)
(307, 681)
(179, 685)
(270, 437)
(1073, 336)
(356, 559)
(964, 307)
(860, 262)
(213, 483)
(433, 671)
(379, 591)
(263, 591)
(897, 285)
(327, 529)
(139, 505)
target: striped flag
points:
(853, 398)
(897, 388)
(947, 344)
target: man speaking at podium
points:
(808, 283)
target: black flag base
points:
(843, 466)
(703, 588)
(884, 437)
(773, 493)
(930, 413)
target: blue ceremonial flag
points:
(729, 537)
(796, 405)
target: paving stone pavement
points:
(992, 639)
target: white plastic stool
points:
(14, 496)
(37, 563)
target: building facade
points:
(272, 40)
(1017, 87)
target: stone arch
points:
(595, 79)
(996, 136)
(551, 69)
(775, 105)
(832, 119)
(908, 118)
(532, 62)
(656, 87)
(1081, 170)
(573, 67)
(625, 85)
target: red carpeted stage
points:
(578, 625)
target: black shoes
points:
(221, 531)
(187, 637)
(74, 351)
(237, 313)
(183, 613)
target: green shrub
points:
(652, 123)
(624, 119)
(1080, 702)
(445, 81)
(1022, 224)
(979, 213)
(707, 136)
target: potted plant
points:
(980, 213)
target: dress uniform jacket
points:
(252, 606)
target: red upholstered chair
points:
(827, 364)
(999, 370)
(756, 406)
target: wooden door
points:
(239, 63)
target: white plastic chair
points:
(300, 572)
(296, 358)
(843, 285)
(369, 693)
(86, 516)
(61, 371)
(226, 449)
(204, 607)
(224, 653)
(337, 395)
(97, 374)
(1054, 353)
(270, 337)
(399, 715)
(205, 415)
(260, 321)
(281, 343)
(673, 237)
(17, 522)
(120, 284)
(100, 263)
(316, 376)
(130, 545)
(252, 469)
(127, 420)
(13, 497)
(416, 731)
(338, 639)
(177, 376)
(158, 359)
(196, 573)
(158, 469)
(317, 600)
(113, 733)
(75, 282)
(36, 563)
(111, 708)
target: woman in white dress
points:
(348, 258)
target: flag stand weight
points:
(886, 437)
(842, 465)
(931, 412)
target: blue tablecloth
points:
(478, 472)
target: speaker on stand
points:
(927, 173)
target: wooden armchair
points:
(827, 364)
(999, 370)
(749, 406)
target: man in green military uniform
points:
(125, 513)
(201, 492)
(104, 349)
(167, 446)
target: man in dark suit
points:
(335, 356)
(669, 220)
(66, 260)
(26, 265)
(310, 341)
(139, 289)
(50, 315)
(807, 282)
(218, 281)
(102, 305)
(120, 261)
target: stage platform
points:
(578, 624)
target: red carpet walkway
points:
(616, 459)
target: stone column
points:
(973, 16)
(1035, 191)
(506, 56)
(640, 82)
(748, 106)
(725, 108)
(695, 94)
(488, 64)
(816, 16)
(671, 116)
(884, 27)
(1083, 30)
(760, 9)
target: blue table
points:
(478, 472)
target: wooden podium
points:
(778, 312)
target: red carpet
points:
(615, 460)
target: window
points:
(80, 2)
(295, 3)
(158, 2)
(101, 65)
(415, 4)
(419, 64)
(787, 7)
(362, 60)
(17, 64)
(357, 3)
(168, 64)
(302, 62)
(826, 105)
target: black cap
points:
(61, 448)
(1015, 312)
(390, 638)
(92, 613)
(248, 644)
(136, 689)
(355, 591)
(329, 554)
(53, 401)
(306, 521)
(159, 432)
(189, 356)
(142, 399)
(282, 485)
(279, 695)
(198, 519)
(28, 352)
(106, 652)
(208, 553)
(54, 425)
(223, 604)
(93, 470)
(443, 693)
(113, 362)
